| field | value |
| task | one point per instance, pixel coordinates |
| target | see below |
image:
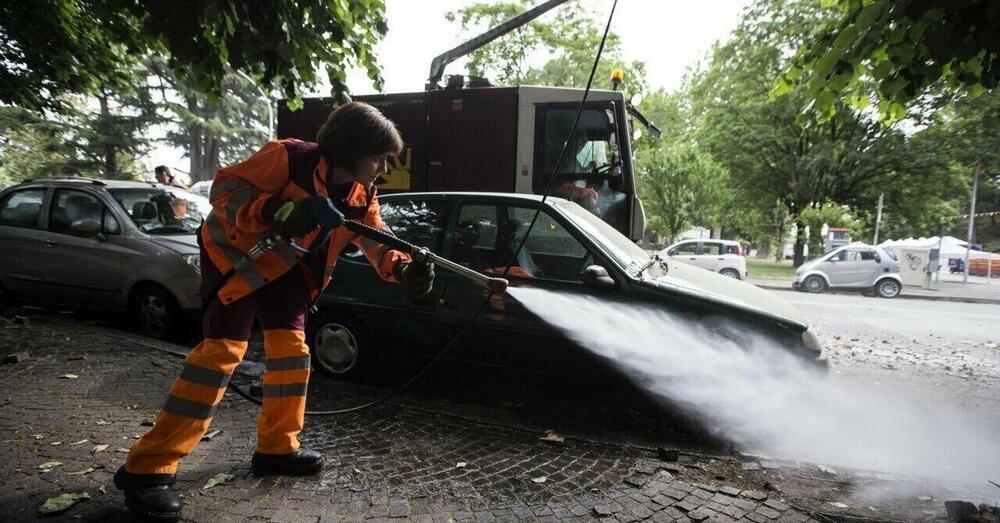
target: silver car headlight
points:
(193, 261)
(811, 342)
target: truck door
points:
(591, 172)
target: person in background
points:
(164, 176)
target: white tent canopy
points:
(951, 247)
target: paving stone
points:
(755, 495)
(722, 499)
(767, 512)
(700, 514)
(776, 505)
(687, 506)
(744, 504)
(730, 491)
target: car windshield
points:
(629, 255)
(163, 210)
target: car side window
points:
(474, 241)
(851, 255)
(730, 249)
(711, 248)
(687, 249)
(70, 206)
(418, 222)
(867, 255)
(22, 208)
(550, 252)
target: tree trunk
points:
(800, 242)
(109, 156)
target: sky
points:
(668, 35)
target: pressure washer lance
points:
(497, 286)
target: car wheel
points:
(732, 273)
(814, 283)
(887, 288)
(156, 312)
(339, 346)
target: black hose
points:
(510, 263)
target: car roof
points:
(78, 181)
(474, 196)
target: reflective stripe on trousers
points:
(187, 412)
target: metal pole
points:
(878, 217)
(972, 223)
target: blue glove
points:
(299, 218)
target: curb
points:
(901, 296)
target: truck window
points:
(590, 174)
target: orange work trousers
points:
(280, 307)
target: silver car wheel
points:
(814, 283)
(887, 288)
(154, 314)
(732, 273)
(336, 348)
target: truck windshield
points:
(165, 210)
(590, 174)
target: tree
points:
(773, 151)
(682, 186)
(897, 50)
(212, 131)
(829, 215)
(564, 45)
(50, 48)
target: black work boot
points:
(149, 497)
(302, 462)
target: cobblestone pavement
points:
(83, 395)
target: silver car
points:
(103, 245)
(867, 268)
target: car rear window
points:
(711, 248)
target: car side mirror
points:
(596, 277)
(88, 227)
(878, 259)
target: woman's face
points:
(369, 168)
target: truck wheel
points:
(155, 311)
(887, 288)
(732, 273)
(339, 346)
(814, 284)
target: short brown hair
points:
(355, 130)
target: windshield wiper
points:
(170, 229)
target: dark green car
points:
(361, 321)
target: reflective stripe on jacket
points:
(244, 199)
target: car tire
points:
(887, 288)
(814, 284)
(732, 273)
(339, 346)
(155, 312)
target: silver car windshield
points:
(163, 210)
(629, 255)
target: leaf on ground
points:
(55, 443)
(38, 436)
(552, 436)
(101, 422)
(122, 450)
(461, 465)
(49, 465)
(539, 479)
(69, 376)
(81, 442)
(62, 502)
(99, 448)
(210, 435)
(87, 470)
(838, 504)
(218, 479)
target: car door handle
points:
(720, 259)
(51, 243)
(692, 258)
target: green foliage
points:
(682, 186)
(831, 215)
(895, 51)
(55, 47)
(101, 137)
(212, 131)
(564, 42)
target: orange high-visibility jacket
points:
(244, 199)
